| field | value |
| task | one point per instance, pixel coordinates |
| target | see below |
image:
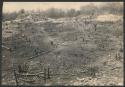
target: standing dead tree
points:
(95, 26)
(16, 79)
(118, 56)
(23, 68)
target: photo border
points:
(1, 10)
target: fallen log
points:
(6, 47)
(27, 74)
(28, 81)
(41, 53)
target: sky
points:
(16, 6)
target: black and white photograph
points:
(62, 43)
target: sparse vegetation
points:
(66, 42)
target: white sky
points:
(16, 6)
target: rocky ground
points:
(76, 51)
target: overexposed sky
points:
(16, 6)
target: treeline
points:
(91, 9)
(12, 16)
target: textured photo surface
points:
(62, 43)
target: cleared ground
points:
(78, 52)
